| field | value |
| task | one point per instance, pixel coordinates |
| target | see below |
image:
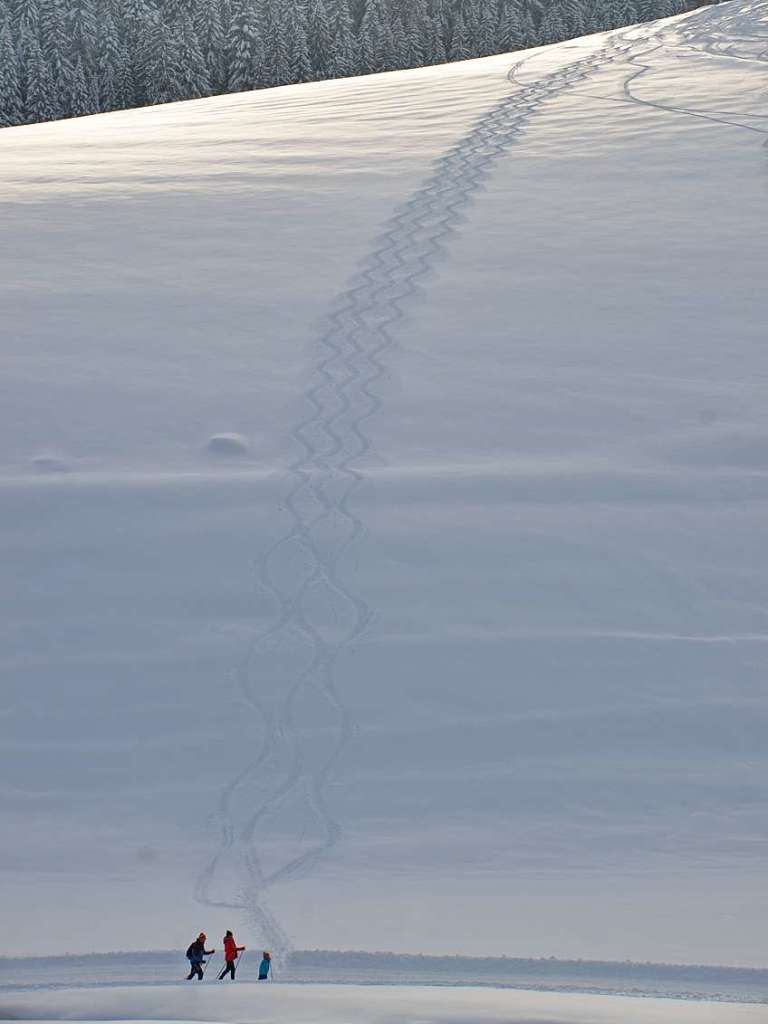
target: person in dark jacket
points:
(264, 966)
(231, 950)
(196, 955)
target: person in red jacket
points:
(231, 950)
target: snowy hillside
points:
(384, 467)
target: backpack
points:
(191, 951)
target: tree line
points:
(67, 58)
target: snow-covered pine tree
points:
(625, 13)
(437, 34)
(461, 43)
(470, 11)
(26, 18)
(246, 49)
(299, 60)
(107, 62)
(277, 53)
(370, 35)
(161, 68)
(595, 14)
(125, 80)
(136, 25)
(81, 99)
(52, 36)
(11, 96)
(41, 102)
(416, 44)
(319, 39)
(135, 16)
(536, 10)
(647, 9)
(80, 23)
(172, 10)
(194, 81)
(510, 32)
(208, 19)
(575, 20)
(343, 61)
(486, 30)
(392, 54)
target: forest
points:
(68, 58)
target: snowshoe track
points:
(331, 439)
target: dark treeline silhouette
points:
(66, 58)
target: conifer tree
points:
(81, 98)
(81, 29)
(162, 71)
(276, 53)
(11, 97)
(299, 60)
(138, 21)
(412, 35)
(344, 59)
(125, 81)
(437, 34)
(172, 10)
(194, 81)
(461, 45)
(107, 62)
(370, 37)
(40, 101)
(52, 36)
(392, 45)
(537, 9)
(552, 27)
(625, 12)
(246, 49)
(511, 34)
(26, 18)
(208, 17)
(320, 40)
(486, 31)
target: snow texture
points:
(466, 652)
(343, 967)
(316, 1004)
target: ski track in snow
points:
(689, 35)
(301, 571)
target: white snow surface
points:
(384, 473)
(316, 1004)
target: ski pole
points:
(240, 956)
(205, 965)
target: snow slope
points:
(384, 488)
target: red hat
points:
(202, 935)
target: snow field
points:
(461, 644)
(316, 1004)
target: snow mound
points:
(228, 444)
(47, 463)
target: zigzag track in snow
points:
(331, 439)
